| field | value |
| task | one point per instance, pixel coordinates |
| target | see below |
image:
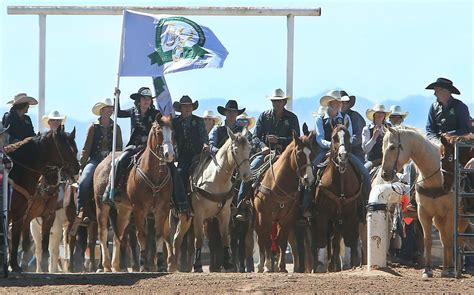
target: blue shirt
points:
(319, 128)
(453, 119)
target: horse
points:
(338, 200)
(434, 203)
(277, 198)
(212, 191)
(149, 186)
(145, 176)
(52, 151)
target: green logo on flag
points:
(177, 38)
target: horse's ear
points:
(305, 129)
(73, 133)
(296, 138)
(311, 136)
(391, 129)
(230, 133)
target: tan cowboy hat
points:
(53, 115)
(321, 110)
(397, 111)
(210, 115)
(333, 95)
(251, 120)
(377, 108)
(22, 98)
(107, 102)
(278, 94)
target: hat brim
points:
(370, 114)
(222, 110)
(45, 119)
(177, 105)
(277, 97)
(136, 96)
(403, 115)
(451, 88)
(217, 119)
(324, 101)
(25, 99)
(352, 101)
(98, 106)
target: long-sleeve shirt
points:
(322, 139)
(20, 128)
(368, 141)
(269, 124)
(453, 119)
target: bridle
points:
(234, 158)
(340, 165)
(298, 167)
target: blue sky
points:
(376, 49)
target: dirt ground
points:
(392, 280)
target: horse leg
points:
(446, 228)
(91, 243)
(351, 240)
(123, 217)
(71, 245)
(249, 246)
(363, 237)
(426, 223)
(102, 220)
(224, 220)
(36, 234)
(199, 236)
(45, 233)
(263, 227)
(139, 218)
(160, 220)
(55, 240)
(26, 247)
(335, 263)
(134, 248)
(241, 246)
(282, 244)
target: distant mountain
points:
(416, 105)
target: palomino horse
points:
(150, 186)
(338, 201)
(213, 190)
(277, 199)
(434, 203)
(147, 178)
(54, 150)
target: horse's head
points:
(62, 150)
(394, 155)
(447, 153)
(240, 149)
(340, 146)
(304, 154)
(160, 138)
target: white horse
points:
(434, 203)
(212, 191)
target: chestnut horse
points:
(434, 203)
(338, 201)
(148, 188)
(32, 157)
(277, 198)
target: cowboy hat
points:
(185, 100)
(143, 91)
(23, 98)
(444, 83)
(397, 111)
(251, 120)
(107, 102)
(231, 105)
(210, 115)
(321, 110)
(278, 94)
(377, 108)
(53, 115)
(333, 95)
(352, 100)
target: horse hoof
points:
(283, 270)
(427, 274)
(17, 269)
(198, 269)
(268, 270)
(100, 270)
(448, 273)
(320, 269)
(107, 270)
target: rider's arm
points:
(349, 126)
(431, 126)
(319, 128)
(85, 153)
(358, 124)
(202, 131)
(294, 126)
(259, 136)
(368, 141)
(463, 118)
(213, 140)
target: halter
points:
(236, 164)
(399, 147)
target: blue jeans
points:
(245, 186)
(84, 191)
(366, 184)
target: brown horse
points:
(54, 150)
(338, 201)
(277, 199)
(148, 188)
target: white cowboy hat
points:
(53, 115)
(251, 120)
(278, 94)
(321, 111)
(22, 98)
(397, 111)
(377, 108)
(333, 95)
(107, 102)
(210, 115)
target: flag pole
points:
(116, 103)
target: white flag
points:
(163, 97)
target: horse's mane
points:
(239, 140)
(452, 139)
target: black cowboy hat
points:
(185, 100)
(143, 91)
(352, 99)
(444, 83)
(231, 105)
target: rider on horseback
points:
(372, 135)
(358, 123)
(274, 131)
(97, 146)
(20, 125)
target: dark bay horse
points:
(277, 199)
(31, 158)
(338, 200)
